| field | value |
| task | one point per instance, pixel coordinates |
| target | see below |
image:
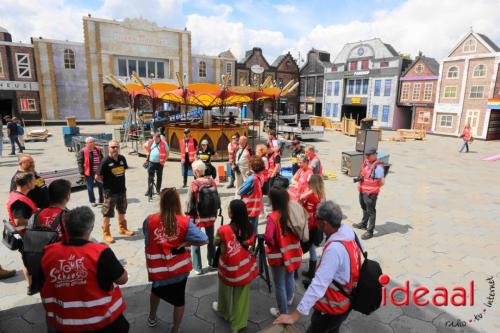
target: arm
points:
(100, 170)
(123, 278)
(217, 239)
(195, 236)
(269, 233)
(80, 162)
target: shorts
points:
(114, 200)
(174, 294)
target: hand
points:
(284, 319)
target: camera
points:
(357, 179)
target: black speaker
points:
(366, 139)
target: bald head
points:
(243, 141)
(26, 163)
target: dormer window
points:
(470, 46)
(419, 69)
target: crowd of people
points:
(83, 292)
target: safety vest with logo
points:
(302, 177)
(71, 295)
(287, 251)
(86, 159)
(320, 172)
(203, 222)
(254, 200)
(18, 196)
(369, 184)
(191, 150)
(48, 215)
(161, 148)
(161, 262)
(237, 266)
(334, 302)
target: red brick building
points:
(417, 91)
(287, 70)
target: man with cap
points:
(297, 150)
(205, 154)
(188, 154)
(371, 179)
(157, 151)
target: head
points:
(296, 145)
(261, 150)
(157, 137)
(59, 192)
(199, 169)
(257, 164)
(26, 163)
(371, 155)
(303, 161)
(204, 144)
(329, 217)
(467, 125)
(235, 138)
(114, 149)
(280, 202)
(79, 222)
(25, 182)
(310, 151)
(237, 212)
(317, 185)
(243, 141)
(230, 113)
(14, 119)
(187, 133)
(276, 149)
(272, 135)
(90, 143)
(170, 207)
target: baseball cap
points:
(204, 142)
(187, 130)
(370, 151)
(295, 142)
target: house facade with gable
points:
(286, 71)
(312, 76)
(210, 69)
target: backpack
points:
(247, 186)
(279, 181)
(298, 220)
(208, 201)
(367, 296)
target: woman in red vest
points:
(237, 266)
(284, 253)
(254, 200)
(300, 179)
(167, 235)
(188, 154)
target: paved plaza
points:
(437, 225)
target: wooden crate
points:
(350, 127)
(411, 134)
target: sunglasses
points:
(113, 147)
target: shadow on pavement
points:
(390, 228)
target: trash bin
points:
(71, 121)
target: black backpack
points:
(208, 201)
(367, 296)
(279, 181)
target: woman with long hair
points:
(283, 250)
(237, 266)
(168, 259)
(253, 201)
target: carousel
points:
(206, 98)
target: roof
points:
(250, 53)
(278, 60)
(2, 29)
(391, 49)
(488, 41)
(379, 49)
(431, 63)
(318, 60)
(227, 54)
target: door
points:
(473, 120)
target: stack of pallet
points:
(39, 134)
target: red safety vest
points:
(272, 165)
(71, 295)
(369, 185)
(86, 159)
(237, 266)
(310, 204)
(254, 200)
(320, 166)
(202, 222)
(18, 196)
(302, 177)
(232, 149)
(191, 150)
(163, 151)
(288, 252)
(334, 302)
(47, 216)
(160, 261)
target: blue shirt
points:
(154, 155)
(379, 172)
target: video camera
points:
(357, 179)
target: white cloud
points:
(285, 9)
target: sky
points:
(431, 26)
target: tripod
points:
(260, 254)
(151, 185)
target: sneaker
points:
(152, 322)
(290, 302)
(230, 186)
(367, 235)
(215, 306)
(198, 272)
(275, 312)
(359, 225)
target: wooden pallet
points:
(411, 134)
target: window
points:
(142, 68)
(302, 86)
(69, 59)
(27, 104)
(452, 72)
(335, 110)
(450, 92)
(375, 112)
(1, 67)
(387, 87)
(151, 69)
(334, 68)
(310, 86)
(445, 120)
(160, 69)
(23, 65)
(350, 89)
(476, 92)
(365, 86)
(364, 64)
(319, 89)
(470, 46)
(358, 86)
(416, 92)
(384, 64)
(428, 91)
(385, 114)
(229, 68)
(419, 69)
(122, 67)
(353, 66)
(329, 88)
(424, 117)
(376, 89)
(202, 69)
(336, 89)
(328, 109)
(479, 71)
(132, 66)
(405, 91)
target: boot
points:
(106, 233)
(5, 273)
(122, 229)
(312, 269)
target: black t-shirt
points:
(39, 194)
(21, 210)
(295, 164)
(113, 174)
(205, 156)
(13, 128)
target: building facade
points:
(286, 71)
(417, 91)
(210, 69)
(312, 82)
(363, 82)
(19, 95)
(468, 76)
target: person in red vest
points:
(467, 137)
(237, 267)
(254, 200)
(232, 147)
(89, 159)
(80, 292)
(19, 206)
(340, 261)
(284, 254)
(371, 180)
(314, 161)
(300, 179)
(274, 162)
(157, 151)
(166, 235)
(188, 154)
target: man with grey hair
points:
(314, 162)
(80, 289)
(241, 163)
(340, 262)
(89, 159)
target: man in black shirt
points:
(111, 173)
(12, 133)
(205, 154)
(40, 194)
(297, 150)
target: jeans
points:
(324, 323)
(233, 178)
(1, 143)
(152, 169)
(466, 146)
(196, 252)
(255, 222)
(368, 203)
(90, 188)
(185, 167)
(13, 141)
(284, 286)
(313, 256)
